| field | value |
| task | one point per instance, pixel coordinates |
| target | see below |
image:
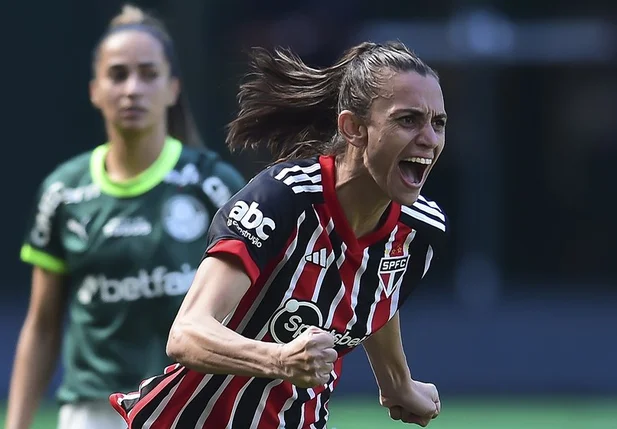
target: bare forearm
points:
(35, 361)
(385, 353)
(212, 348)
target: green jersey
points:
(128, 249)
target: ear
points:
(352, 129)
(173, 91)
(94, 94)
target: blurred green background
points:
(462, 413)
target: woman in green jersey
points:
(116, 231)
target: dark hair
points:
(291, 108)
(180, 121)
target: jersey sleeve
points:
(255, 224)
(42, 245)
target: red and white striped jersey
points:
(307, 269)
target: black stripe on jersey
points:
(323, 412)
(198, 404)
(140, 418)
(419, 219)
(369, 283)
(327, 294)
(415, 268)
(273, 298)
(248, 404)
(303, 178)
(304, 171)
(429, 203)
(294, 413)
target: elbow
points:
(176, 345)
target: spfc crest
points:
(391, 271)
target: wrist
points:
(275, 365)
(392, 379)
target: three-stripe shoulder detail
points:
(426, 211)
(302, 179)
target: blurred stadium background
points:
(518, 325)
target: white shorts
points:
(90, 415)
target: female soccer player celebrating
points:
(315, 255)
(116, 235)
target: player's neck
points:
(129, 155)
(361, 199)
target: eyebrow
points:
(140, 65)
(418, 112)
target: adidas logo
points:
(318, 258)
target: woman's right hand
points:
(308, 359)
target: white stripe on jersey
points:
(380, 287)
(302, 178)
(429, 257)
(199, 388)
(290, 250)
(157, 412)
(330, 388)
(410, 211)
(341, 292)
(430, 203)
(329, 260)
(430, 210)
(310, 169)
(311, 393)
(298, 189)
(235, 407)
(263, 401)
(396, 293)
(287, 406)
(356, 288)
(212, 400)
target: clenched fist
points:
(413, 402)
(308, 359)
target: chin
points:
(131, 128)
(407, 198)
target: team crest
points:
(391, 271)
(185, 218)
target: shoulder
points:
(299, 177)
(71, 173)
(298, 181)
(206, 161)
(282, 192)
(425, 215)
(209, 163)
(206, 169)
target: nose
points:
(428, 137)
(133, 86)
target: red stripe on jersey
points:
(274, 404)
(343, 313)
(221, 413)
(338, 370)
(310, 406)
(382, 308)
(251, 295)
(237, 248)
(179, 399)
(152, 394)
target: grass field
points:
(530, 413)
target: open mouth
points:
(414, 169)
